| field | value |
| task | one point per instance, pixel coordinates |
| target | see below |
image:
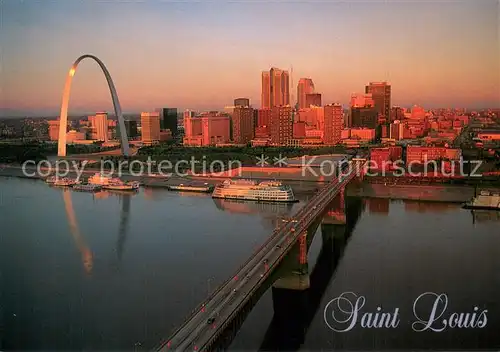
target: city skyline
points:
(432, 59)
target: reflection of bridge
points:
(214, 323)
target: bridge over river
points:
(212, 325)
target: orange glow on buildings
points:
(243, 125)
(362, 100)
(275, 88)
(381, 94)
(209, 128)
(150, 127)
(417, 154)
(281, 125)
(53, 130)
(334, 123)
(304, 87)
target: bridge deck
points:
(201, 329)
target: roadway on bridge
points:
(211, 318)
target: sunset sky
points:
(202, 55)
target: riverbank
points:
(435, 193)
(445, 193)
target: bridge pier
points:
(336, 213)
(294, 271)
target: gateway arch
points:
(63, 117)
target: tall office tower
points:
(313, 117)
(215, 128)
(101, 126)
(265, 99)
(243, 125)
(334, 123)
(313, 99)
(168, 119)
(397, 113)
(131, 128)
(243, 102)
(150, 127)
(364, 117)
(362, 100)
(397, 130)
(53, 130)
(281, 125)
(91, 121)
(381, 93)
(263, 128)
(275, 88)
(208, 128)
(193, 131)
(304, 87)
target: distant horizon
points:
(72, 115)
(201, 56)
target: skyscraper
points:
(313, 99)
(361, 100)
(304, 87)
(281, 125)
(363, 117)
(334, 123)
(381, 94)
(168, 119)
(265, 98)
(243, 125)
(243, 102)
(275, 88)
(150, 127)
(208, 128)
(101, 126)
(131, 128)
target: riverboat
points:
(267, 191)
(485, 200)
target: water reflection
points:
(378, 205)
(295, 310)
(248, 207)
(485, 216)
(124, 223)
(429, 207)
(87, 258)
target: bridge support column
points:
(296, 270)
(336, 213)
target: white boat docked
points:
(485, 200)
(267, 191)
(112, 183)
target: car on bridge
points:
(211, 320)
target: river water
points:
(120, 271)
